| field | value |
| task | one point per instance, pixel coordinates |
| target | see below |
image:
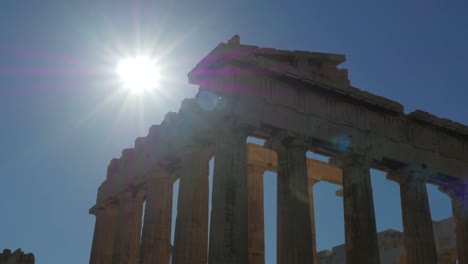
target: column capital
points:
(202, 149)
(406, 175)
(108, 206)
(348, 159)
(283, 140)
(132, 193)
(229, 134)
(160, 170)
(233, 126)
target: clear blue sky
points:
(62, 119)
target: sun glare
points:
(138, 74)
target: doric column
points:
(104, 233)
(256, 215)
(360, 227)
(418, 235)
(312, 219)
(458, 192)
(294, 240)
(460, 214)
(156, 235)
(191, 233)
(127, 244)
(229, 223)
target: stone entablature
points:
(297, 102)
(17, 257)
(311, 109)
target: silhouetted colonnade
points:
(234, 103)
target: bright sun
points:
(138, 74)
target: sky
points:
(64, 114)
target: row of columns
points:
(236, 231)
(117, 235)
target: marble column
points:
(312, 219)
(294, 239)
(104, 233)
(256, 215)
(229, 214)
(156, 235)
(458, 192)
(418, 234)
(191, 233)
(360, 228)
(460, 215)
(127, 243)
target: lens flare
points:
(207, 100)
(138, 74)
(342, 142)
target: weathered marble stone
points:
(294, 235)
(191, 233)
(156, 234)
(359, 214)
(127, 242)
(105, 231)
(312, 220)
(229, 213)
(17, 257)
(256, 215)
(417, 222)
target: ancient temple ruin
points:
(392, 249)
(296, 101)
(17, 257)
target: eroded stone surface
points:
(17, 257)
(294, 240)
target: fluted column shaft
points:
(459, 195)
(104, 234)
(191, 233)
(460, 213)
(294, 240)
(229, 223)
(127, 244)
(256, 215)
(360, 227)
(418, 234)
(156, 235)
(312, 220)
